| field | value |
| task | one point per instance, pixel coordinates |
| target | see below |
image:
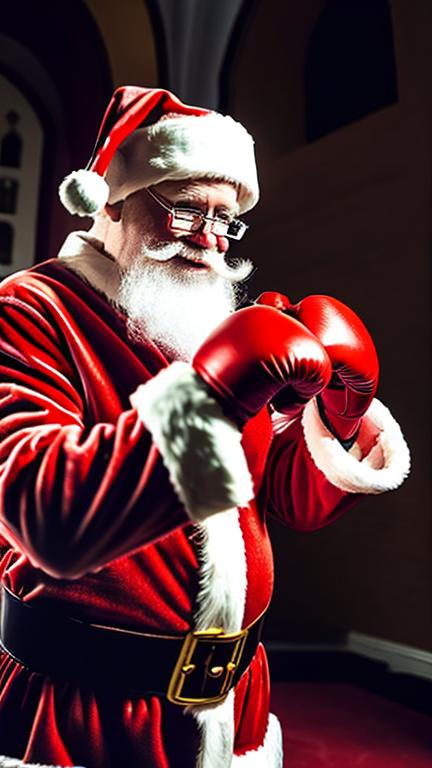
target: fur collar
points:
(85, 256)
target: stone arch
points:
(19, 181)
(66, 79)
(128, 32)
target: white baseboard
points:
(398, 657)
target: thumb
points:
(274, 299)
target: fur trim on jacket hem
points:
(269, 754)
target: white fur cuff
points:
(200, 446)
(384, 468)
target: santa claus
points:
(148, 426)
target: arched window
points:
(8, 194)
(11, 143)
(21, 144)
(6, 243)
(350, 65)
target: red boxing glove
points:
(352, 353)
(254, 354)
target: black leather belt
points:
(199, 668)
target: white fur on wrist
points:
(384, 468)
(199, 445)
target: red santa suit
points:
(91, 509)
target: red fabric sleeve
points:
(74, 494)
(294, 490)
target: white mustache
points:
(239, 270)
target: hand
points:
(351, 351)
(257, 353)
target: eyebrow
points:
(198, 199)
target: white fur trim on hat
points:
(200, 446)
(205, 146)
(84, 193)
(384, 468)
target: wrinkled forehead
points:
(215, 191)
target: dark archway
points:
(54, 54)
(350, 65)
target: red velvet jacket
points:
(94, 526)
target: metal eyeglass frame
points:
(195, 220)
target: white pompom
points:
(84, 193)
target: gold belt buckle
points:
(206, 666)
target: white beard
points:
(174, 304)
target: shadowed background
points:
(337, 95)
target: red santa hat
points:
(147, 136)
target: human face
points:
(211, 198)
(174, 289)
(185, 220)
(141, 226)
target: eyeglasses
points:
(187, 220)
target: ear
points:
(114, 211)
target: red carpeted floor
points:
(341, 726)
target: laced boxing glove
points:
(352, 353)
(256, 353)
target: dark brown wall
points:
(350, 215)
(266, 82)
